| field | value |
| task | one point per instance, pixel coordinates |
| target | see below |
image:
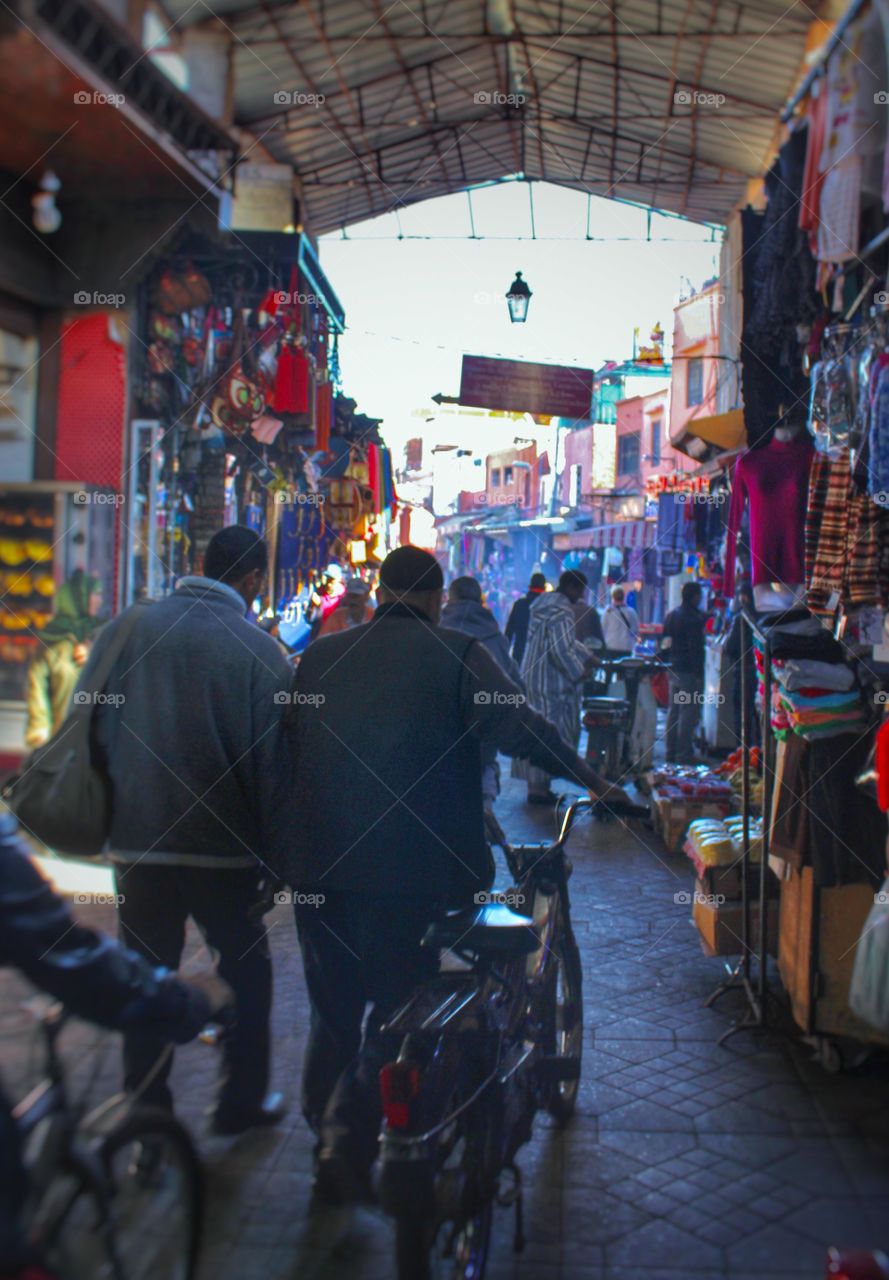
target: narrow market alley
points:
(684, 1158)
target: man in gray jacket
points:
(188, 731)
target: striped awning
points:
(628, 533)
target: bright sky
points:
(414, 306)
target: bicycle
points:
(483, 1048)
(116, 1194)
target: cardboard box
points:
(720, 924)
(672, 819)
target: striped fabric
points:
(846, 539)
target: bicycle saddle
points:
(487, 930)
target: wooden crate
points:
(672, 820)
(816, 969)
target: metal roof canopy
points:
(669, 103)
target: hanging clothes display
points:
(845, 539)
(771, 482)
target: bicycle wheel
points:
(566, 1038)
(472, 1245)
(156, 1198)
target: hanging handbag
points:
(61, 797)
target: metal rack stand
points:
(741, 977)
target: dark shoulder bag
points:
(61, 797)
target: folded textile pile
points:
(814, 693)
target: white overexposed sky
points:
(414, 306)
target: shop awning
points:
(723, 430)
(628, 534)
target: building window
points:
(656, 441)
(495, 477)
(628, 454)
(507, 475)
(576, 482)
(695, 386)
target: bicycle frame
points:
(477, 1039)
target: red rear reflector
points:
(399, 1085)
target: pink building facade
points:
(643, 441)
(696, 366)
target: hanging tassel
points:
(291, 381)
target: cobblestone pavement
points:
(684, 1159)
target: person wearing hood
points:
(553, 670)
(64, 648)
(465, 612)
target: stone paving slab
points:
(685, 1159)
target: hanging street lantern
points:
(517, 299)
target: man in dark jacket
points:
(95, 977)
(465, 612)
(393, 716)
(520, 616)
(683, 645)
(189, 732)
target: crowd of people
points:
(359, 779)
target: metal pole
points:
(746, 640)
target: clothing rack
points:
(835, 39)
(741, 977)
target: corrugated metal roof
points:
(672, 103)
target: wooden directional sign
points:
(560, 390)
